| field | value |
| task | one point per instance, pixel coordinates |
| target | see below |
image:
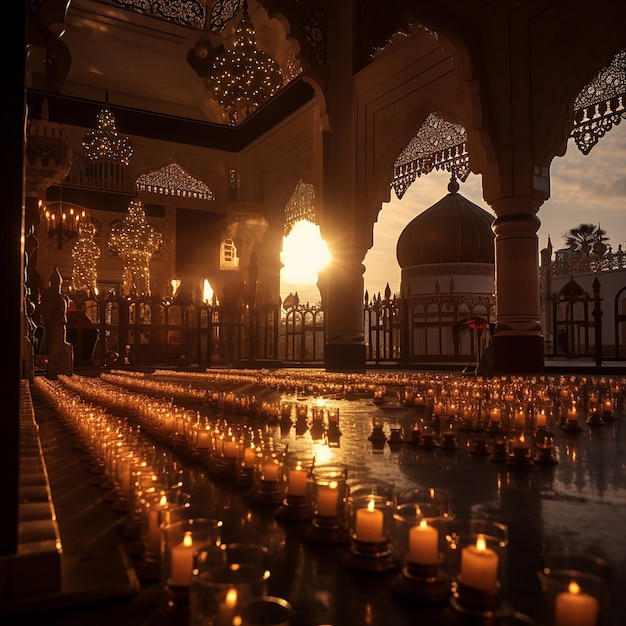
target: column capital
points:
(528, 204)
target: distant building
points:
(446, 256)
(567, 300)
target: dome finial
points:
(453, 186)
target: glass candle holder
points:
(575, 590)
(247, 464)
(370, 508)
(225, 581)
(269, 484)
(545, 450)
(329, 504)
(477, 560)
(429, 431)
(520, 449)
(297, 503)
(156, 505)
(420, 530)
(227, 461)
(268, 611)
(448, 430)
(181, 540)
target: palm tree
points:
(585, 238)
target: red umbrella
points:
(471, 322)
(474, 322)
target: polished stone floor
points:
(576, 504)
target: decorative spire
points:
(453, 185)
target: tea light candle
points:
(479, 566)
(495, 415)
(574, 608)
(327, 499)
(369, 524)
(182, 561)
(423, 544)
(297, 480)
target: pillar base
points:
(518, 354)
(344, 357)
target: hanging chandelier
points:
(242, 77)
(63, 221)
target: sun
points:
(304, 254)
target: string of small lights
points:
(135, 240)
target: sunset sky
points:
(584, 189)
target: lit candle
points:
(297, 480)
(227, 609)
(495, 415)
(327, 499)
(182, 561)
(230, 449)
(479, 566)
(203, 439)
(574, 608)
(423, 544)
(369, 524)
(572, 413)
(271, 471)
(541, 419)
(249, 456)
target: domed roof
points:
(454, 230)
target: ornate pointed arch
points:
(440, 145)
(300, 206)
(173, 180)
(601, 104)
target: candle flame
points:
(423, 523)
(231, 597)
(163, 500)
(187, 540)
(371, 505)
(333, 484)
(481, 543)
(573, 587)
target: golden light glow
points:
(85, 254)
(207, 292)
(135, 241)
(573, 587)
(304, 254)
(481, 543)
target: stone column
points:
(518, 339)
(343, 306)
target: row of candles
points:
(516, 431)
(415, 531)
(519, 400)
